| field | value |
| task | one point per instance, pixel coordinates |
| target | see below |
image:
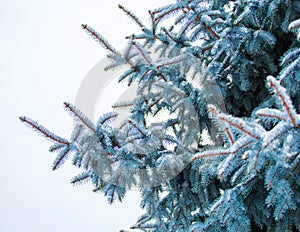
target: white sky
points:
(44, 56)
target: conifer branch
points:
(270, 184)
(278, 131)
(294, 167)
(212, 153)
(132, 16)
(137, 127)
(211, 30)
(286, 102)
(43, 131)
(122, 105)
(159, 17)
(142, 51)
(79, 115)
(270, 113)
(77, 133)
(240, 127)
(153, 24)
(81, 178)
(169, 35)
(99, 39)
(237, 123)
(107, 117)
(229, 136)
(294, 24)
(185, 29)
(179, 20)
(56, 147)
(206, 48)
(214, 112)
(144, 75)
(255, 159)
(250, 181)
(155, 102)
(172, 61)
(239, 145)
(60, 158)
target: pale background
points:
(44, 56)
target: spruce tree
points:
(247, 178)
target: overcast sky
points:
(44, 56)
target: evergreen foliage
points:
(249, 179)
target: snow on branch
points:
(43, 131)
(132, 16)
(142, 51)
(107, 117)
(76, 113)
(271, 113)
(236, 123)
(228, 133)
(294, 24)
(61, 158)
(284, 98)
(99, 39)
